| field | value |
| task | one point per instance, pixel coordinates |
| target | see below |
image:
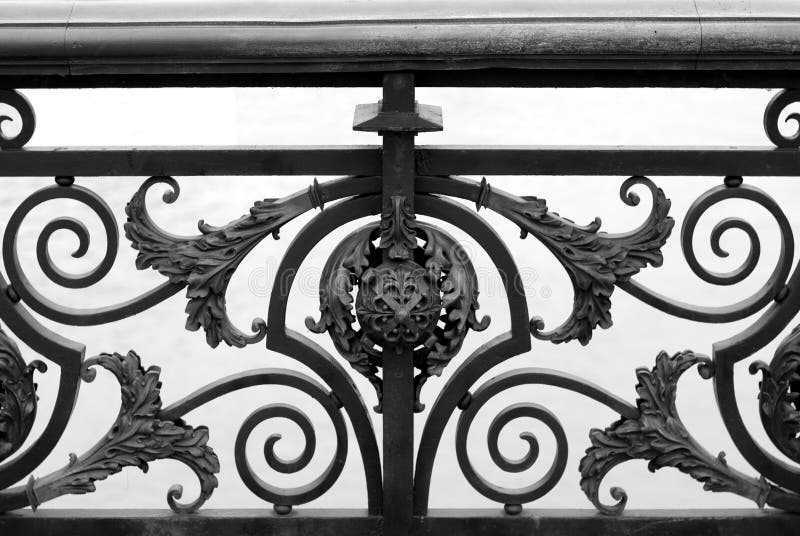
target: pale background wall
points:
(324, 116)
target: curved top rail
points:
(86, 40)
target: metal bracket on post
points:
(372, 118)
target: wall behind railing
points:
(472, 116)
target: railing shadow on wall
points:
(398, 296)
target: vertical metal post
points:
(398, 118)
(398, 363)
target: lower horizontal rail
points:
(430, 160)
(356, 522)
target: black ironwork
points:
(399, 297)
(18, 102)
(18, 408)
(137, 437)
(778, 104)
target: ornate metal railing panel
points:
(398, 298)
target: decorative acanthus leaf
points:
(398, 229)
(659, 436)
(595, 261)
(137, 437)
(206, 263)
(342, 272)
(447, 261)
(779, 396)
(17, 396)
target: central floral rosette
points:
(399, 303)
(426, 303)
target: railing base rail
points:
(241, 522)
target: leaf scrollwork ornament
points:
(595, 261)
(17, 396)
(779, 396)
(206, 263)
(398, 229)
(137, 437)
(659, 436)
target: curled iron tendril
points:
(733, 189)
(772, 115)
(27, 118)
(471, 405)
(46, 307)
(85, 197)
(513, 497)
(283, 499)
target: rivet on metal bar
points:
(282, 509)
(12, 294)
(782, 294)
(733, 181)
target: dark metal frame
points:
(398, 298)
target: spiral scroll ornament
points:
(733, 188)
(512, 498)
(27, 118)
(471, 404)
(772, 115)
(65, 189)
(283, 499)
(87, 198)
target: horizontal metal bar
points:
(191, 161)
(608, 160)
(355, 522)
(431, 160)
(475, 74)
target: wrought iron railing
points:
(398, 296)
